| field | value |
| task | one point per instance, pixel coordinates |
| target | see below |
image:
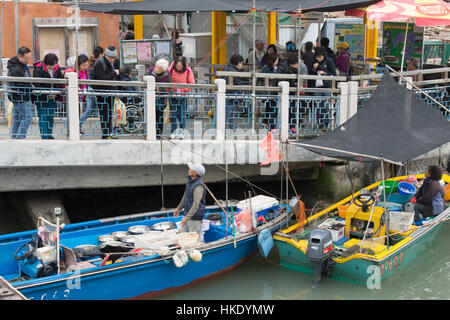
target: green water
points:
(427, 277)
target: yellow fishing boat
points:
(361, 246)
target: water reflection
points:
(427, 277)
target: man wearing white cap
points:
(194, 200)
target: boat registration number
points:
(391, 263)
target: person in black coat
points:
(236, 64)
(308, 59)
(19, 93)
(325, 42)
(46, 103)
(106, 69)
(430, 196)
(323, 66)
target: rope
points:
(217, 165)
(411, 229)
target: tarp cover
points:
(394, 123)
(176, 6)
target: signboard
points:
(146, 51)
(354, 35)
(393, 42)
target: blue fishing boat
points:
(100, 259)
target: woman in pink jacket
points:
(180, 72)
(83, 74)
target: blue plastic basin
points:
(406, 188)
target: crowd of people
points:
(104, 65)
(314, 60)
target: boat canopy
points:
(394, 124)
(178, 6)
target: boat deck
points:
(7, 292)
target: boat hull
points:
(143, 280)
(360, 270)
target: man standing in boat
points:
(193, 201)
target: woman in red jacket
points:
(180, 72)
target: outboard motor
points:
(320, 245)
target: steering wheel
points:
(31, 248)
(364, 201)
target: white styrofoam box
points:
(146, 240)
(46, 254)
(159, 244)
(258, 203)
(188, 239)
(400, 221)
(337, 234)
(205, 225)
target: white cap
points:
(197, 167)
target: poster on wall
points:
(129, 52)
(354, 35)
(144, 51)
(394, 39)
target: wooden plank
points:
(8, 292)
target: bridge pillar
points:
(73, 109)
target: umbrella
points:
(423, 13)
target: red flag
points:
(269, 144)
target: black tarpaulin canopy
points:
(394, 124)
(177, 6)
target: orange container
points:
(342, 210)
(447, 192)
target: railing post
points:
(140, 71)
(352, 104)
(343, 109)
(408, 84)
(284, 110)
(73, 111)
(150, 107)
(220, 109)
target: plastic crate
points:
(400, 221)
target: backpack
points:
(102, 61)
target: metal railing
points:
(217, 111)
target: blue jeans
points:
(21, 119)
(91, 105)
(46, 113)
(177, 110)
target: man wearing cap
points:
(343, 59)
(105, 69)
(194, 200)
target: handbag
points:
(120, 113)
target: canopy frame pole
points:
(404, 45)
(384, 202)
(162, 175)
(299, 41)
(77, 26)
(347, 152)
(420, 90)
(254, 67)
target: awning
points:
(394, 124)
(423, 13)
(179, 6)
